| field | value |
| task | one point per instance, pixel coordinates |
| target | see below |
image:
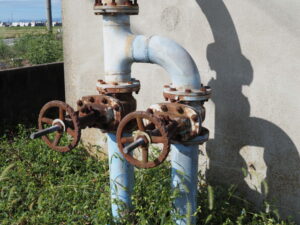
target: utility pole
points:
(49, 15)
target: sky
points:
(27, 9)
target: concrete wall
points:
(23, 91)
(248, 52)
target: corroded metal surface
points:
(51, 114)
(113, 7)
(188, 119)
(156, 134)
(108, 110)
(96, 111)
(118, 87)
(178, 95)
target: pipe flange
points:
(176, 95)
(112, 7)
(118, 87)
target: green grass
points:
(16, 32)
(40, 186)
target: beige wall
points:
(248, 51)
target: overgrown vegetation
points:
(31, 50)
(38, 49)
(40, 186)
(17, 32)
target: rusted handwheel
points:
(150, 130)
(57, 113)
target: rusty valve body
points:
(109, 110)
(105, 111)
(189, 119)
(162, 124)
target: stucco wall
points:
(248, 52)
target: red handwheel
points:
(149, 130)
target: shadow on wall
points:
(236, 130)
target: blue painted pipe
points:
(184, 161)
(121, 179)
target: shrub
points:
(39, 49)
(6, 51)
(40, 186)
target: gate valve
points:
(138, 130)
(56, 120)
(189, 119)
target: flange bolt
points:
(180, 110)
(150, 111)
(164, 108)
(91, 99)
(79, 103)
(113, 2)
(116, 108)
(195, 118)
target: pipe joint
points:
(171, 56)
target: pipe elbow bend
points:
(171, 56)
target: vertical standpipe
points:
(184, 161)
(121, 49)
(121, 179)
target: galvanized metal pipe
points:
(171, 56)
(121, 179)
(117, 39)
(122, 48)
(184, 161)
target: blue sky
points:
(27, 9)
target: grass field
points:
(40, 186)
(15, 32)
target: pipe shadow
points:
(235, 129)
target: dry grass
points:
(16, 32)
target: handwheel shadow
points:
(236, 129)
